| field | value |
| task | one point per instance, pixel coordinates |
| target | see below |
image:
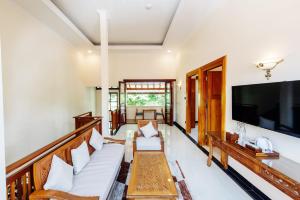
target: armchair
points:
(137, 113)
(140, 143)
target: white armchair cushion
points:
(60, 176)
(96, 140)
(80, 157)
(148, 130)
(152, 143)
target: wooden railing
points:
(83, 119)
(19, 181)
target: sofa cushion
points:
(148, 130)
(152, 143)
(80, 157)
(60, 176)
(97, 177)
(96, 140)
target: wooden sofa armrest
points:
(135, 136)
(160, 136)
(134, 142)
(162, 143)
(54, 194)
(115, 140)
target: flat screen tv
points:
(273, 106)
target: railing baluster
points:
(29, 189)
(19, 189)
(24, 186)
(7, 193)
(12, 191)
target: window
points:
(113, 101)
(145, 99)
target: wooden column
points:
(2, 146)
(104, 65)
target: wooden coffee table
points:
(151, 177)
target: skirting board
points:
(248, 187)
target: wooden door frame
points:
(189, 75)
(203, 97)
(201, 72)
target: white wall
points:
(42, 89)
(141, 64)
(248, 32)
(98, 102)
(2, 147)
(89, 68)
(129, 64)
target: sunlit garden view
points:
(145, 99)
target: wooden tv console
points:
(282, 173)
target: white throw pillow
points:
(80, 157)
(96, 140)
(148, 130)
(60, 176)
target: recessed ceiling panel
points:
(130, 22)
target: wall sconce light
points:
(179, 85)
(268, 66)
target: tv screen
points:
(273, 106)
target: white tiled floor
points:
(194, 133)
(204, 183)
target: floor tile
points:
(203, 182)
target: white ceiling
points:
(130, 22)
(131, 26)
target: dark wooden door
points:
(214, 91)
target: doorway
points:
(193, 99)
(210, 100)
(192, 103)
(213, 96)
(146, 99)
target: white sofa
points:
(98, 176)
(94, 181)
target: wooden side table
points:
(214, 139)
(288, 181)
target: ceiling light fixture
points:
(90, 51)
(169, 51)
(148, 6)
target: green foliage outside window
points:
(145, 99)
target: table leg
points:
(224, 159)
(210, 155)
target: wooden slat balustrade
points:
(19, 180)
